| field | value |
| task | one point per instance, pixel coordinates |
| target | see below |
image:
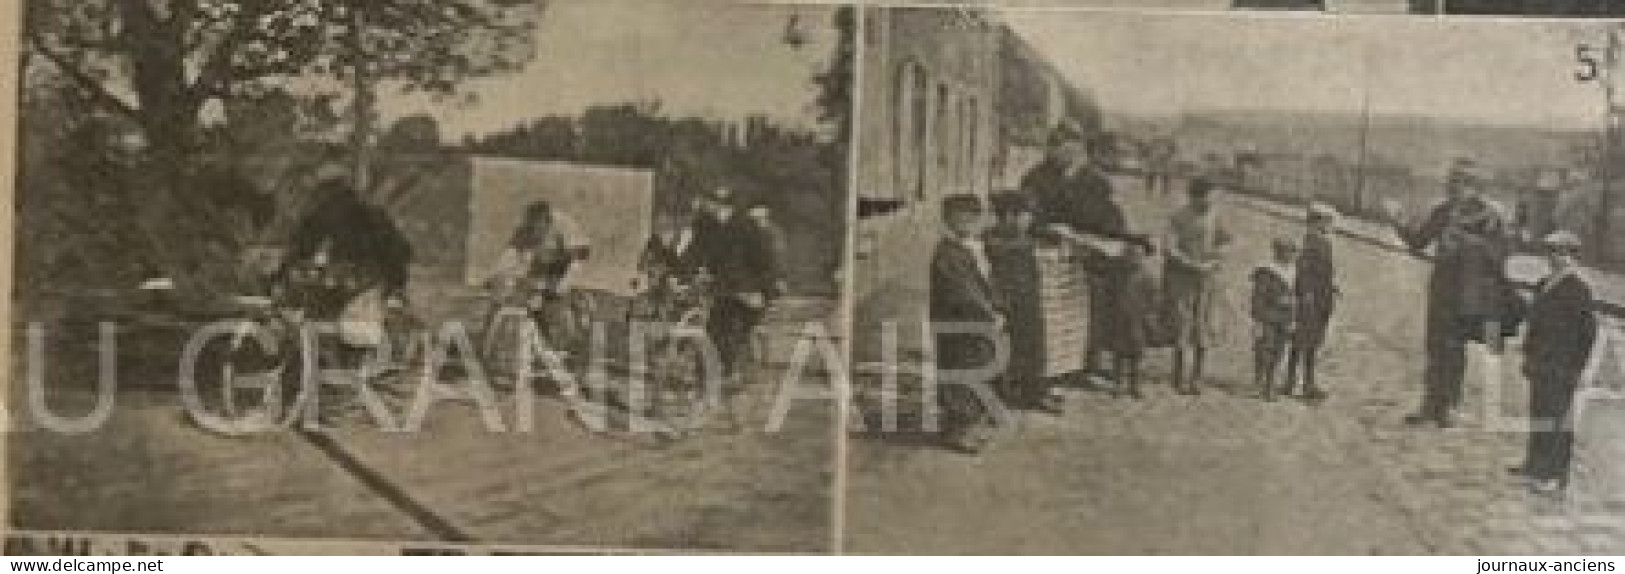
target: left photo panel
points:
(562, 275)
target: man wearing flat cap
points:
(1562, 330)
(1467, 291)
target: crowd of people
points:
(1159, 290)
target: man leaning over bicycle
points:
(348, 265)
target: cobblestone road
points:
(1227, 473)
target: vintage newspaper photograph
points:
(1224, 284)
(534, 273)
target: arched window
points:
(941, 141)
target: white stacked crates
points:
(1064, 296)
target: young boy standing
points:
(1316, 291)
(968, 324)
(1134, 314)
(1013, 251)
(1195, 246)
(1272, 310)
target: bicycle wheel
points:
(579, 313)
(683, 400)
(500, 340)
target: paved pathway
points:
(551, 483)
(1227, 473)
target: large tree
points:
(160, 63)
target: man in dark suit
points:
(712, 213)
(745, 270)
(1075, 199)
(1056, 183)
(1467, 290)
(968, 324)
(1562, 330)
(347, 262)
(345, 247)
(769, 250)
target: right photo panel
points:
(1138, 283)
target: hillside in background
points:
(1420, 143)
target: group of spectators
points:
(987, 301)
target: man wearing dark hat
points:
(1071, 189)
(714, 211)
(744, 266)
(1467, 289)
(1013, 251)
(1075, 198)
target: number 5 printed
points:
(1586, 55)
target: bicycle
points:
(511, 317)
(677, 363)
(275, 349)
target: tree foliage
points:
(153, 69)
(151, 58)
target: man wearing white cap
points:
(1562, 329)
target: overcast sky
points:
(1496, 71)
(696, 57)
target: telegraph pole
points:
(1365, 136)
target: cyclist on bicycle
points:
(744, 262)
(539, 259)
(670, 260)
(346, 259)
(347, 264)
